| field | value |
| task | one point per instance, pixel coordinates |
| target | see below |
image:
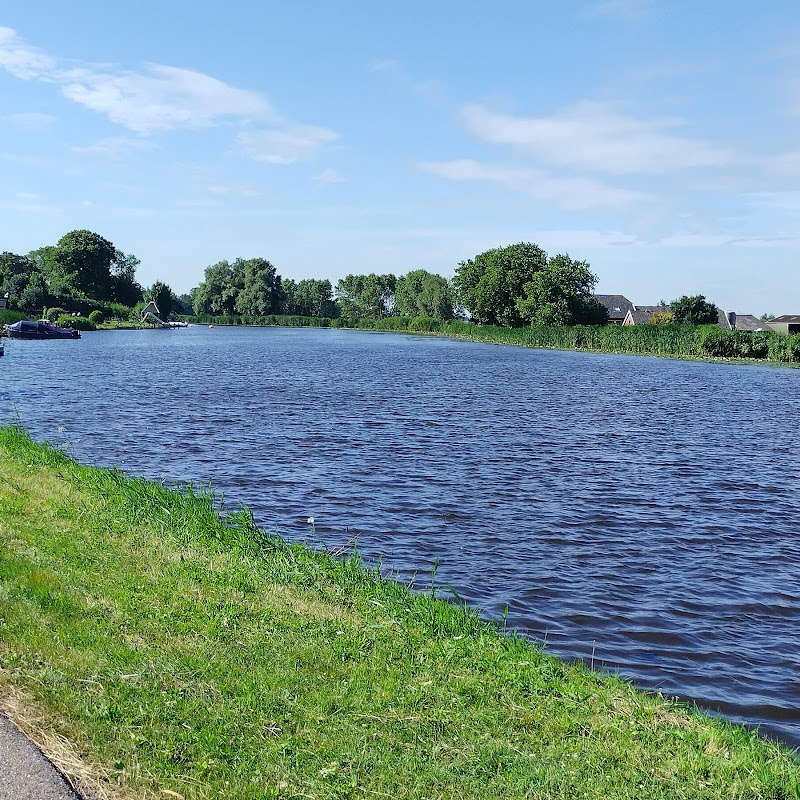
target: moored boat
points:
(31, 329)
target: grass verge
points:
(177, 654)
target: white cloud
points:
(22, 60)
(329, 175)
(574, 193)
(593, 136)
(285, 145)
(163, 98)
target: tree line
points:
(514, 286)
(81, 272)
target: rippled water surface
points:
(638, 511)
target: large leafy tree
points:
(218, 292)
(423, 294)
(161, 294)
(561, 294)
(311, 298)
(694, 310)
(260, 287)
(489, 285)
(87, 256)
(34, 295)
(125, 288)
(60, 282)
(15, 272)
(366, 296)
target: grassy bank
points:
(180, 655)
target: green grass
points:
(183, 653)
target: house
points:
(643, 315)
(617, 306)
(729, 320)
(788, 323)
(746, 322)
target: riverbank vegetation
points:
(513, 295)
(173, 652)
(83, 272)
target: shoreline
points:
(177, 650)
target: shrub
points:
(78, 323)
(97, 317)
(428, 324)
(784, 347)
(52, 314)
(9, 317)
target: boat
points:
(31, 329)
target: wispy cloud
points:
(594, 136)
(285, 145)
(569, 192)
(431, 91)
(162, 98)
(232, 190)
(115, 148)
(23, 60)
(328, 176)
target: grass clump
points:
(186, 654)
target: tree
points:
(124, 287)
(15, 272)
(423, 294)
(561, 294)
(489, 285)
(695, 310)
(184, 303)
(366, 296)
(662, 318)
(260, 293)
(218, 292)
(34, 295)
(60, 283)
(163, 297)
(314, 298)
(89, 257)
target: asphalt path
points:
(25, 774)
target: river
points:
(638, 513)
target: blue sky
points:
(657, 140)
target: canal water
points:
(640, 513)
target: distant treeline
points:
(82, 273)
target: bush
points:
(52, 314)
(427, 324)
(9, 317)
(97, 317)
(786, 348)
(77, 323)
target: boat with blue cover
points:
(31, 329)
